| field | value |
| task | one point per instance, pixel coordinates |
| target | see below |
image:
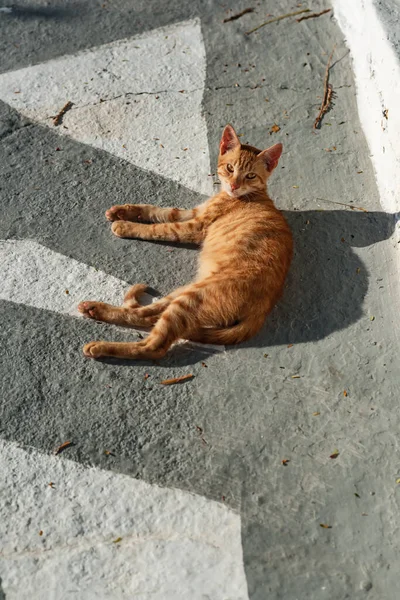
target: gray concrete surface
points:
(336, 327)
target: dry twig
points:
(234, 17)
(176, 379)
(63, 446)
(328, 90)
(57, 120)
(292, 14)
(344, 204)
(314, 15)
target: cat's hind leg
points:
(176, 321)
(144, 316)
(131, 313)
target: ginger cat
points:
(246, 252)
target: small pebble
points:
(366, 586)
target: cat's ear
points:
(229, 140)
(271, 156)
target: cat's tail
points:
(235, 334)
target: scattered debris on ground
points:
(200, 431)
(314, 15)
(344, 204)
(63, 447)
(238, 15)
(57, 120)
(176, 379)
(328, 91)
(275, 19)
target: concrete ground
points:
(180, 492)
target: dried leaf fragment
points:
(118, 540)
(40, 532)
(334, 454)
(274, 129)
(398, 480)
(63, 447)
(372, 318)
(316, 414)
(345, 393)
(177, 379)
(295, 376)
(203, 364)
(57, 120)
(51, 484)
(285, 462)
(325, 526)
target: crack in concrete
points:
(130, 94)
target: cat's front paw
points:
(94, 310)
(95, 349)
(123, 229)
(124, 212)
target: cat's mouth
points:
(237, 193)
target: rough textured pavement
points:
(322, 376)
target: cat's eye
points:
(230, 168)
(250, 175)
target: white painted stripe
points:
(174, 546)
(377, 73)
(126, 94)
(34, 275)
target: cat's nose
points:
(234, 186)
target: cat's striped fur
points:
(245, 256)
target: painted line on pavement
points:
(377, 75)
(138, 98)
(109, 535)
(34, 275)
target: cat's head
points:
(243, 169)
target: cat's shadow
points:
(326, 285)
(328, 281)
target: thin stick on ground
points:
(292, 14)
(327, 98)
(176, 380)
(57, 120)
(314, 15)
(344, 204)
(234, 17)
